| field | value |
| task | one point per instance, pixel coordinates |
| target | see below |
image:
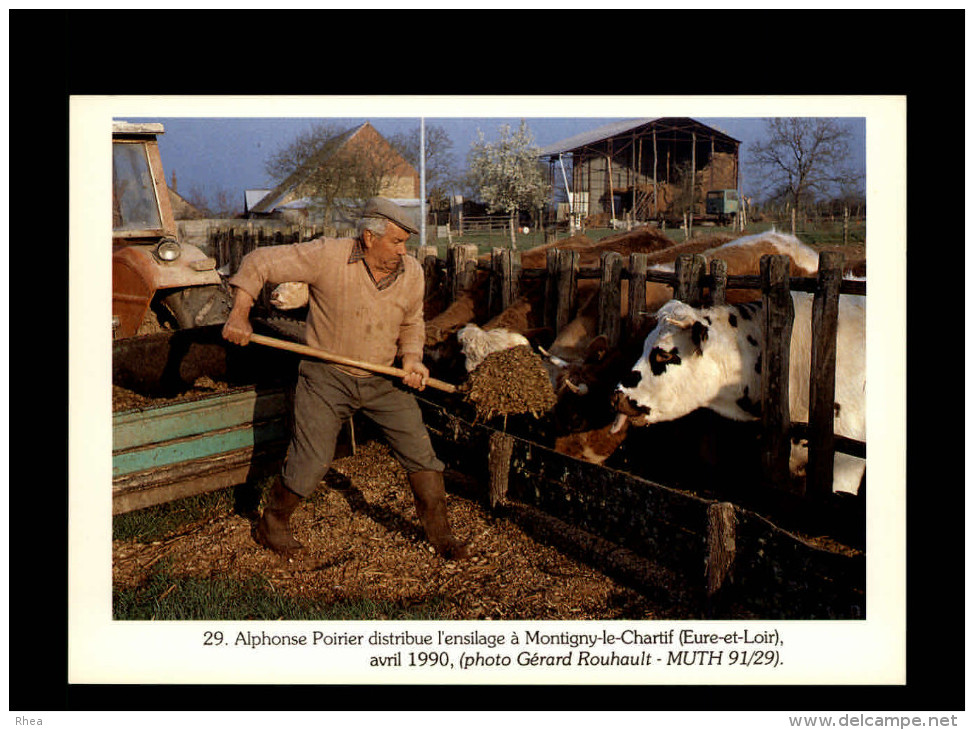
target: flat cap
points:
(385, 208)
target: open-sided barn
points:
(644, 168)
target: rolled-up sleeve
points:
(277, 264)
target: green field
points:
(815, 233)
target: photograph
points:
(461, 391)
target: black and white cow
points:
(711, 358)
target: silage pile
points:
(510, 382)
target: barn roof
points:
(593, 135)
(276, 197)
(616, 129)
(253, 197)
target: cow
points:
(711, 358)
(477, 343)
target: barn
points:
(641, 169)
(290, 201)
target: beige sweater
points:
(347, 314)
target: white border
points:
(830, 652)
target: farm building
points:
(182, 209)
(645, 169)
(291, 200)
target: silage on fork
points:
(509, 382)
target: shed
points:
(649, 169)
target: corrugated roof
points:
(618, 128)
(594, 135)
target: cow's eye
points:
(664, 356)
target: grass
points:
(153, 523)
(824, 233)
(165, 596)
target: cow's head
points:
(690, 360)
(578, 374)
(583, 383)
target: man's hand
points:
(237, 328)
(416, 373)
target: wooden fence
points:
(230, 244)
(690, 280)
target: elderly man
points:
(365, 303)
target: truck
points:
(724, 204)
(158, 282)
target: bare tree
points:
(219, 203)
(198, 199)
(441, 179)
(508, 173)
(804, 158)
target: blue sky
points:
(229, 154)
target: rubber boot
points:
(430, 494)
(272, 530)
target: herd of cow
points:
(682, 360)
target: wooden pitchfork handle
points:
(322, 355)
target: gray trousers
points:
(325, 397)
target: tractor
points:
(158, 282)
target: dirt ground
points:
(363, 541)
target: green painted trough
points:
(190, 444)
(179, 449)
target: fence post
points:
(505, 279)
(718, 272)
(821, 386)
(499, 466)
(721, 546)
(235, 245)
(461, 264)
(845, 225)
(637, 293)
(561, 288)
(426, 255)
(779, 315)
(610, 297)
(689, 272)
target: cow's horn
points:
(619, 423)
(553, 359)
(576, 389)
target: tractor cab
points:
(158, 282)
